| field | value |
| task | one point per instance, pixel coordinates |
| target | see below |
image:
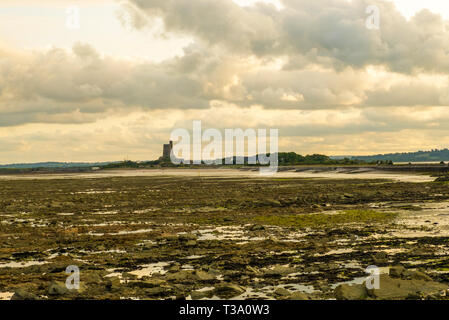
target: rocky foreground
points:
(223, 238)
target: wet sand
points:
(173, 236)
(230, 173)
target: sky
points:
(103, 80)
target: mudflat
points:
(231, 236)
(317, 172)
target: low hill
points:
(419, 156)
(52, 165)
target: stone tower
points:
(168, 148)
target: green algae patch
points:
(321, 219)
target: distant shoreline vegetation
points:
(285, 159)
(434, 155)
(54, 165)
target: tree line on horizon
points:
(434, 155)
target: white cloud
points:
(309, 68)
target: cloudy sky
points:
(114, 83)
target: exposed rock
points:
(182, 276)
(191, 243)
(394, 289)
(416, 275)
(148, 246)
(256, 227)
(252, 270)
(148, 283)
(204, 276)
(157, 291)
(57, 289)
(396, 271)
(380, 258)
(169, 238)
(442, 179)
(298, 295)
(92, 277)
(129, 276)
(196, 295)
(268, 203)
(174, 267)
(22, 294)
(279, 270)
(228, 290)
(351, 292)
(281, 292)
(113, 283)
(187, 237)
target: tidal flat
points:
(180, 236)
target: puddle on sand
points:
(294, 287)
(6, 295)
(130, 232)
(22, 264)
(205, 289)
(148, 270)
(193, 257)
(146, 210)
(267, 292)
(92, 191)
(120, 233)
(101, 213)
(431, 221)
(188, 267)
(102, 251)
(335, 252)
(226, 233)
(360, 280)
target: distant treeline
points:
(435, 155)
(292, 158)
(284, 159)
(53, 165)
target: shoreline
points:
(307, 172)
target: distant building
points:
(166, 152)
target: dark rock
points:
(191, 243)
(196, 295)
(157, 291)
(380, 258)
(351, 292)
(174, 268)
(282, 292)
(396, 271)
(442, 179)
(57, 289)
(416, 275)
(187, 237)
(113, 283)
(228, 290)
(22, 294)
(182, 276)
(279, 270)
(204, 276)
(298, 295)
(394, 289)
(256, 227)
